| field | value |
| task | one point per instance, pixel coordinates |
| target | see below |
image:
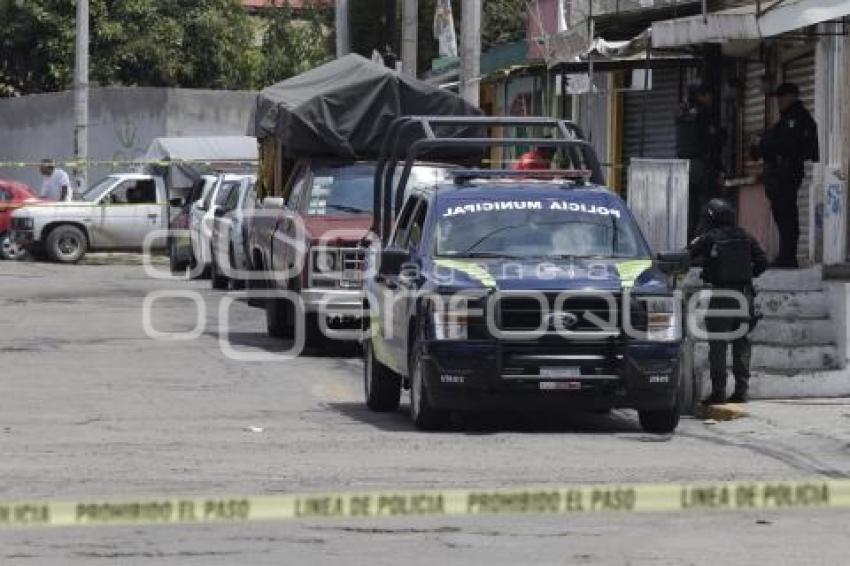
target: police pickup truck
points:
(510, 290)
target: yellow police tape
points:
(539, 500)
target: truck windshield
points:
(349, 189)
(536, 228)
(341, 190)
(97, 190)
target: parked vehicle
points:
(312, 243)
(117, 213)
(201, 216)
(227, 247)
(179, 241)
(13, 195)
(502, 291)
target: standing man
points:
(730, 258)
(785, 147)
(55, 185)
(699, 139)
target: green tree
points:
(293, 43)
(187, 43)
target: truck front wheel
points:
(66, 244)
(422, 413)
(381, 385)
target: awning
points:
(194, 156)
(744, 23)
(607, 55)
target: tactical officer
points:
(731, 258)
(785, 147)
(699, 138)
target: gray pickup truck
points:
(120, 212)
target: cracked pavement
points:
(92, 407)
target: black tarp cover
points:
(343, 108)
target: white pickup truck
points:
(117, 213)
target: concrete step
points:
(793, 305)
(779, 359)
(809, 279)
(780, 332)
(765, 385)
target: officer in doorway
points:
(730, 258)
(785, 147)
(699, 138)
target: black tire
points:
(175, 263)
(660, 422)
(279, 322)
(66, 244)
(217, 280)
(381, 385)
(422, 413)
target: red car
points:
(12, 195)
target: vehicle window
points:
(249, 202)
(414, 234)
(137, 191)
(224, 192)
(94, 192)
(197, 191)
(399, 238)
(548, 227)
(297, 190)
(233, 198)
(5, 196)
(346, 189)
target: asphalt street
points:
(91, 406)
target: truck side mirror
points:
(219, 211)
(392, 260)
(176, 202)
(674, 263)
(273, 202)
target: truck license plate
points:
(559, 372)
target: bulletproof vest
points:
(688, 138)
(731, 261)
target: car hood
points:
(332, 230)
(610, 275)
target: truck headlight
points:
(664, 322)
(23, 223)
(326, 261)
(451, 325)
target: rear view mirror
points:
(392, 260)
(674, 263)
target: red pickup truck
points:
(310, 242)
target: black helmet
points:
(719, 213)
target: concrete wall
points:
(123, 122)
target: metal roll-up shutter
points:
(662, 104)
(801, 71)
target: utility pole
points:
(409, 37)
(343, 32)
(470, 50)
(81, 94)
